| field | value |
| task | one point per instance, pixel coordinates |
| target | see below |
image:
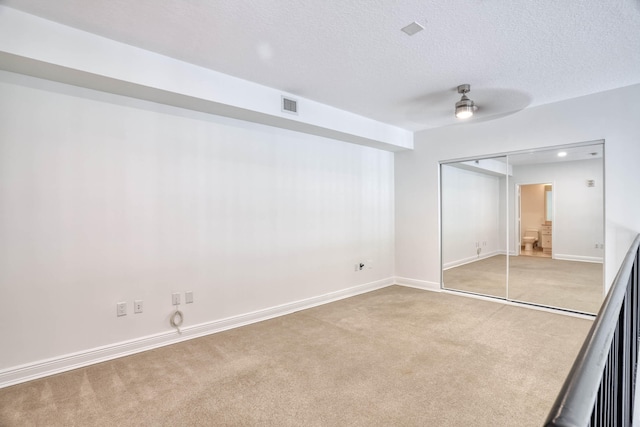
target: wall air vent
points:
(289, 105)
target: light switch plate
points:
(121, 309)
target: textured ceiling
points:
(352, 54)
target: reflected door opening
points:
(535, 219)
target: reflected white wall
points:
(578, 222)
(471, 227)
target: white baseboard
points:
(468, 260)
(419, 284)
(580, 258)
(43, 368)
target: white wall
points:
(612, 116)
(105, 198)
(578, 214)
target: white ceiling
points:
(581, 152)
(352, 55)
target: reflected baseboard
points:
(469, 260)
(580, 258)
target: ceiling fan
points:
(435, 109)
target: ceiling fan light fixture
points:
(465, 107)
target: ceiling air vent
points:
(289, 105)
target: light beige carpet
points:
(570, 285)
(393, 357)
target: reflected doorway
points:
(535, 219)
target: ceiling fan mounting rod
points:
(464, 88)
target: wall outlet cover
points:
(137, 306)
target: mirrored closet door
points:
(474, 226)
(527, 227)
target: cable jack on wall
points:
(177, 317)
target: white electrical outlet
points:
(188, 297)
(121, 309)
(137, 306)
(175, 298)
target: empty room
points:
(309, 213)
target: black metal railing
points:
(600, 388)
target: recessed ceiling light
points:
(562, 154)
(412, 28)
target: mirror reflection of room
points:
(474, 226)
(526, 227)
(536, 203)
